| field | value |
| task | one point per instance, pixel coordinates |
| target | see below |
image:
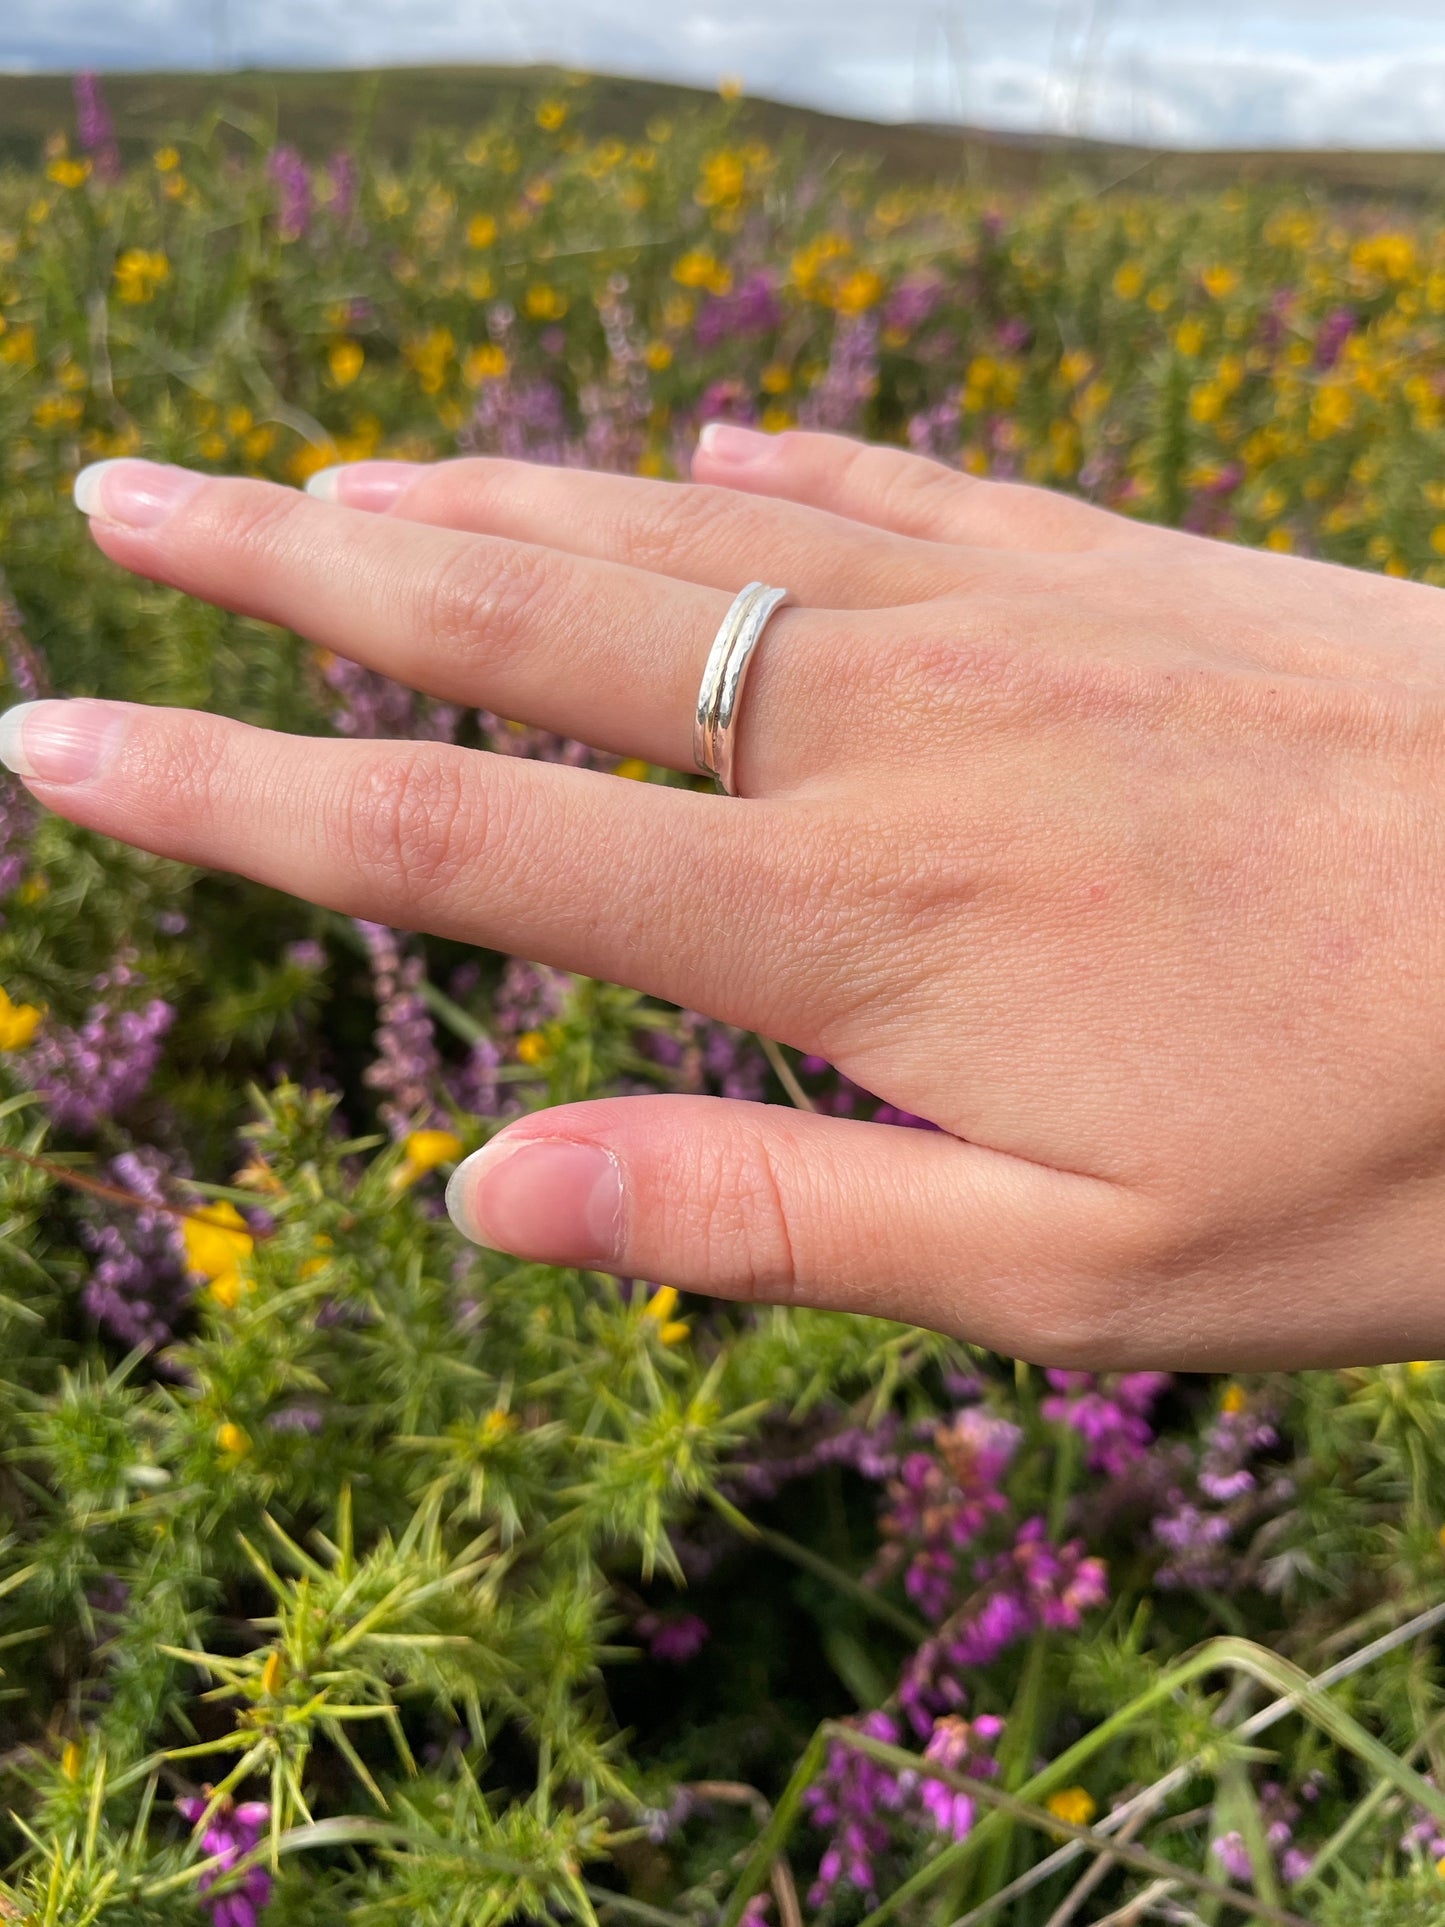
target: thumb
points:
(760, 1202)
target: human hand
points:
(1114, 852)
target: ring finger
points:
(595, 650)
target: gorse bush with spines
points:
(350, 1573)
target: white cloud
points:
(1310, 72)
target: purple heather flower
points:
(1233, 1856)
(528, 997)
(17, 826)
(850, 380)
(94, 127)
(1195, 1540)
(912, 302)
(474, 1088)
(1233, 1438)
(525, 420)
(306, 954)
(674, 1638)
(751, 308)
(139, 1285)
(730, 401)
(1034, 1586)
(1425, 1835)
(233, 1832)
(345, 183)
(23, 668)
(100, 1069)
(958, 1744)
(1333, 332)
(940, 1501)
(293, 193)
(1109, 1414)
(849, 1799)
(755, 1914)
(368, 704)
(407, 1066)
(296, 1418)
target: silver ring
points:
(714, 734)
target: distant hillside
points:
(320, 111)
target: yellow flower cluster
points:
(139, 272)
(18, 1023)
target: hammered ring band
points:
(714, 726)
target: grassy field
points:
(320, 111)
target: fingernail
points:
(544, 1198)
(735, 445)
(363, 485)
(138, 494)
(67, 741)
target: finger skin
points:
(609, 655)
(637, 883)
(762, 1203)
(712, 536)
(908, 495)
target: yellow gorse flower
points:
(423, 1151)
(138, 274)
(660, 1307)
(18, 1023)
(234, 1442)
(427, 1149)
(533, 1047)
(216, 1241)
(70, 1760)
(544, 302)
(273, 1673)
(68, 173)
(431, 355)
(487, 363)
(700, 268)
(1074, 1805)
(345, 359)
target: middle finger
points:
(608, 654)
(716, 536)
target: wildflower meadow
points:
(349, 1573)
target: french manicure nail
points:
(544, 1198)
(60, 741)
(138, 494)
(362, 485)
(739, 447)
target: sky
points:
(1193, 73)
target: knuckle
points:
(670, 534)
(176, 772)
(257, 518)
(927, 492)
(415, 821)
(742, 1232)
(485, 598)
